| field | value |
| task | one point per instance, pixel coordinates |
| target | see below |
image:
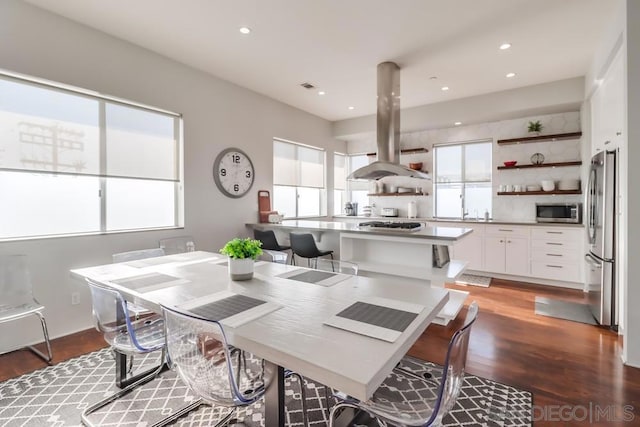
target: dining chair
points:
(17, 300)
(426, 401)
(274, 256)
(303, 245)
(137, 255)
(125, 334)
(337, 266)
(177, 245)
(269, 241)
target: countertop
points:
(448, 234)
(461, 221)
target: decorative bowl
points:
(415, 166)
(548, 185)
(510, 163)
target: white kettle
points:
(412, 209)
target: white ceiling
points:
(336, 44)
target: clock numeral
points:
(248, 174)
(223, 172)
(236, 187)
(235, 158)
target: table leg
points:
(274, 398)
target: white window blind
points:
(339, 171)
(297, 165)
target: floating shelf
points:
(538, 193)
(406, 151)
(396, 194)
(540, 138)
(542, 165)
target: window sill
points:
(97, 233)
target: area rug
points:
(474, 280)
(567, 310)
(56, 396)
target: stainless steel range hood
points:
(388, 129)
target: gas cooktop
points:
(390, 225)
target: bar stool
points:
(269, 241)
(303, 245)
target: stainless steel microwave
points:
(559, 212)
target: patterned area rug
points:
(474, 280)
(56, 396)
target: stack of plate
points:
(535, 187)
(569, 184)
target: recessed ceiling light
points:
(505, 46)
(509, 75)
(321, 92)
(445, 88)
(457, 123)
(245, 30)
(351, 107)
(433, 78)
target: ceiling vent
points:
(307, 85)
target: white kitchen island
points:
(389, 253)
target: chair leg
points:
(336, 409)
(303, 396)
(117, 395)
(45, 332)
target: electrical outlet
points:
(75, 298)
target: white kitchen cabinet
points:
(507, 249)
(557, 253)
(608, 106)
(471, 248)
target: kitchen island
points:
(391, 252)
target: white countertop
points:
(449, 234)
(461, 221)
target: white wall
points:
(217, 115)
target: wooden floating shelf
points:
(538, 193)
(542, 165)
(408, 193)
(406, 151)
(540, 138)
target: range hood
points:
(388, 129)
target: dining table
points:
(344, 331)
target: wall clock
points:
(233, 172)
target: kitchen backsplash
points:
(503, 207)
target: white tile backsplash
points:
(520, 208)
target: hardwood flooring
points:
(560, 362)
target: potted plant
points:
(242, 253)
(535, 127)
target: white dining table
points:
(294, 333)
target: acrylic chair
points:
(17, 300)
(426, 401)
(303, 245)
(274, 256)
(177, 245)
(337, 266)
(138, 254)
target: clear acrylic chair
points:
(125, 334)
(198, 351)
(178, 245)
(274, 256)
(426, 401)
(138, 254)
(337, 266)
(17, 300)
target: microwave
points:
(559, 212)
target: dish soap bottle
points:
(486, 214)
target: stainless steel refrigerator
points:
(601, 227)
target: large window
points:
(75, 162)
(349, 191)
(298, 179)
(462, 180)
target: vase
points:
(241, 269)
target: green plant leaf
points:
(242, 248)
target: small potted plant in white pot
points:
(242, 254)
(535, 127)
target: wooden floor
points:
(560, 362)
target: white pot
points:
(241, 269)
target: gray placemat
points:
(311, 276)
(567, 310)
(226, 307)
(377, 315)
(145, 280)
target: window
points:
(76, 162)
(298, 179)
(339, 182)
(462, 179)
(349, 191)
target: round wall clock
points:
(233, 172)
(537, 158)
